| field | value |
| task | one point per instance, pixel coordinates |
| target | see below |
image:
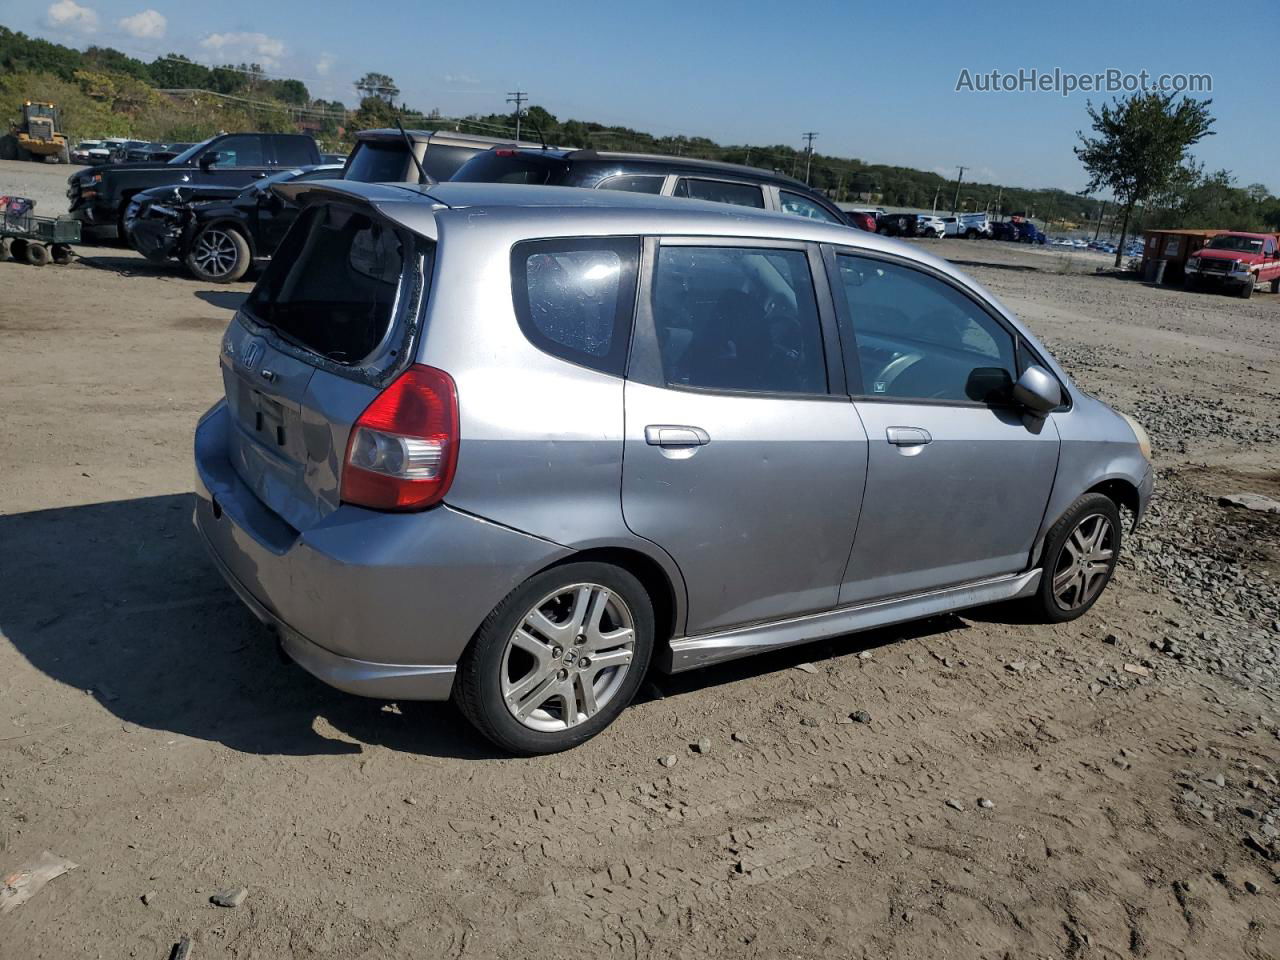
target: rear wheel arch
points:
(668, 608)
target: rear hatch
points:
(330, 322)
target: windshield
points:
(1240, 244)
(189, 154)
(378, 161)
(504, 166)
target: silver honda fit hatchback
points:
(512, 445)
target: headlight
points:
(1193, 263)
(96, 178)
(1144, 441)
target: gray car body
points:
(797, 526)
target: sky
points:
(876, 81)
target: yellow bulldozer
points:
(38, 135)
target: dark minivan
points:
(651, 173)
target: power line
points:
(808, 152)
(518, 97)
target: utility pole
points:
(999, 197)
(955, 204)
(518, 97)
(935, 199)
(808, 152)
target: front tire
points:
(1246, 291)
(1080, 557)
(219, 255)
(558, 659)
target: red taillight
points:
(504, 152)
(404, 448)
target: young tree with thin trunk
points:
(1140, 144)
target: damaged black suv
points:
(217, 236)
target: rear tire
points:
(1080, 555)
(526, 670)
(1275, 285)
(219, 255)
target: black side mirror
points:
(208, 159)
(1038, 391)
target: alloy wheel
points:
(1084, 563)
(215, 253)
(568, 657)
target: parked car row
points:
(114, 150)
(221, 215)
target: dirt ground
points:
(1128, 761)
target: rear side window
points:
(731, 318)
(574, 299)
(332, 285)
(801, 206)
(720, 191)
(633, 183)
(294, 151)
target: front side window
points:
(575, 298)
(730, 318)
(633, 183)
(800, 206)
(331, 287)
(240, 152)
(915, 337)
(720, 191)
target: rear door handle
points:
(908, 436)
(671, 435)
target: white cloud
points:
(460, 79)
(146, 24)
(324, 64)
(69, 15)
(253, 47)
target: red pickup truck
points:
(1237, 261)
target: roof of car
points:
(594, 212)
(425, 136)
(667, 160)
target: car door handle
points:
(671, 435)
(908, 436)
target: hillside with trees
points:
(104, 92)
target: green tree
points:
(176, 72)
(1140, 144)
(373, 112)
(378, 85)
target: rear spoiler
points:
(405, 205)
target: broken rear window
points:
(333, 284)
